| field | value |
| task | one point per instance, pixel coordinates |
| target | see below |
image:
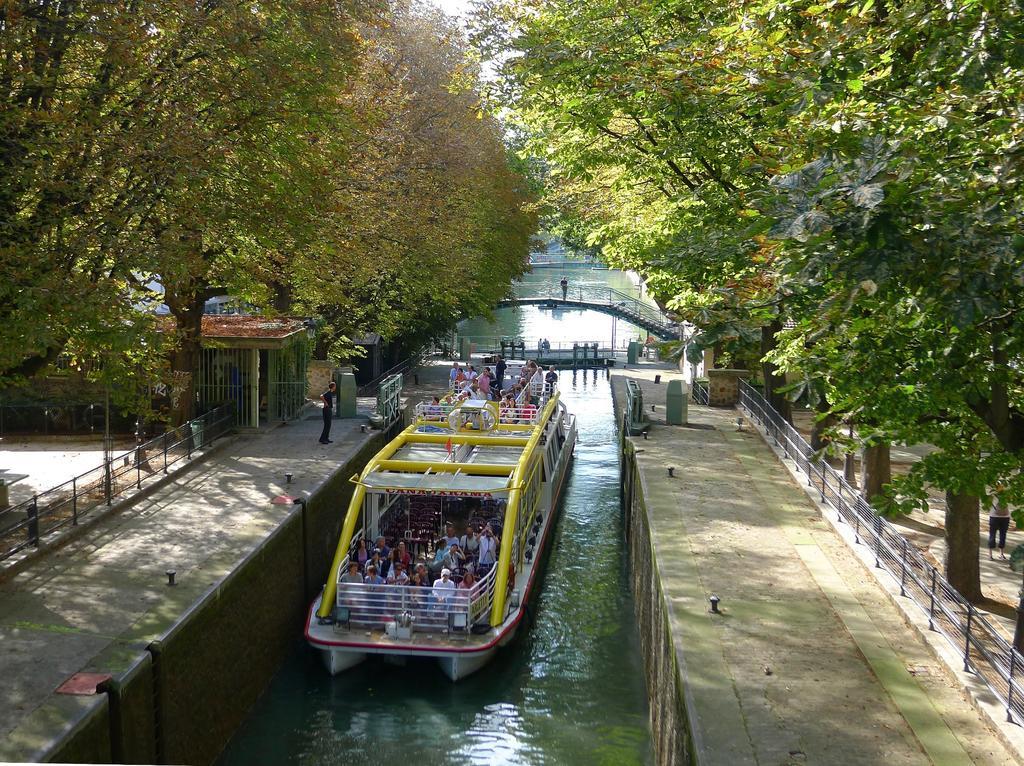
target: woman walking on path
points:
(998, 523)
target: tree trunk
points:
(875, 470)
(188, 321)
(962, 539)
(772, 379)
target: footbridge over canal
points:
(607, 301)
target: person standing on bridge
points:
(327, 397)
(565, 287)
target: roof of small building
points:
(228, 326)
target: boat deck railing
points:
(422, 609)
(524, 414)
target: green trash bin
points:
(632, 351)
(346, 395)
(676, 403)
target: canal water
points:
(570, 690)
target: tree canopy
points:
(328, 158)
(842, 178)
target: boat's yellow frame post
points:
(348, 528)
(508, 530)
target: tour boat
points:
(473, 464)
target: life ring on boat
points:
(482, 419)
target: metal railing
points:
(399, 369)
(389, 399)
(628, 306)
(428, 412)
(426, 609)
(22, 525)
(983, 649)
(699, 392)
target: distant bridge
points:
(607, 301)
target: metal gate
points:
(231, 375)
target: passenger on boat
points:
(484, 383)
(449, 535)
(472, 374)
(476, 394)
(362, 555)
(488, 547)
(550, 378)
(527, 413)
(460, 377)
(454, 559)
(454, 373)
(375, 561)
(382, 546)
(506, 411)
(422, 575)
(372, 578)
(467, 581)
(390, 561)
(403, 554)
(471, 542)
(437, 564)
(397, 576)
(434, 411)
(444, 587)
(352, 575)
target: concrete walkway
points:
(107, 589)
(809, 662)
(927, 530)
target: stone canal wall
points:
(179, 698)
(670, 730)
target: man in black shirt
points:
(565, 287)
(327, 397)
(499, 373)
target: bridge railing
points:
(628, 305)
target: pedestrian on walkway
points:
(998, 523)
(327, 397)
(565, 287)
(499, 372)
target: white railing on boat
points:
(421, 608)
(434, 412)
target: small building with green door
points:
(260, 363)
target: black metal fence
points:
(54, 418)
(983, 649)
(22, 525)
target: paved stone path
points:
(810, 662)
(107, 588)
